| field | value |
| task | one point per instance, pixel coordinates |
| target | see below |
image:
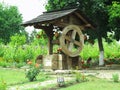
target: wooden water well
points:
(70, 22)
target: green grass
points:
(94, 84)
(12, 76)
(17, 77)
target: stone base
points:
(59, 62)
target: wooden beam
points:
(62, 25)
(84, 20)
(50, 45)
(49, 32)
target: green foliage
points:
(115, 77)
(10, 22)
(1, 50)
(90, 51)
(114, 11)
(60, 4)
(114, 18)
(18, 40)
(80, 77)
(112, 50)
(38, 38)
(33, 71)
(5, 64)
(11, 54)
(22, 53)
(3, 85)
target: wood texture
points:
(68, 40)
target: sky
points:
(28, 8)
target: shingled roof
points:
(48, 16)
(53, 15)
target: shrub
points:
(90, 51)
(5, 64)
(115, 77)
(18, 40)
(111, 50)
(80, 77)
(19, 53)
(33, 71)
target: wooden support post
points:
(69, 62)
(49, 32)
(60, 58)
(50, 45)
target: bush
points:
(33, 71)
(18, 40)
(115, 77)
(5, 64)
(80, 77)
(22, 53)
(90, 51)
(111, 50)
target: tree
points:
(10, 22)
(114, 19)
(97, 10)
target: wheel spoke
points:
(74, 34)
(71, 40)
(70, 46)
(67, 38)
(77, 43)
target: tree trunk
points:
(101, 49)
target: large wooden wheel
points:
(71, 40)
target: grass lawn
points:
(95, 84)
(12, 76)
(16, 76)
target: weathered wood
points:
(62, 25)
(50, 45)
(55, 42)
(84, 20)
(67, 42)
(69, 62)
